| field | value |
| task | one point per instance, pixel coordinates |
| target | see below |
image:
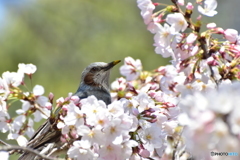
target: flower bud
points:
(144, 153)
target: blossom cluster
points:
(135, 125)
(213, 121)
(193, 51)
(202, 73)
(33, 107)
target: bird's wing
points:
(99, 93)
(45, 134)
(81, 94)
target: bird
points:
(94, 81)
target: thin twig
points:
(212, 74)
(4, 143)
(176, 145)
(40, 109)
(26, 149)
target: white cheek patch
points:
(98, 78)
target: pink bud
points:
(180, 2)
(48, 105)
(219, 30)
(64, 107)
(63, 138)
(191, 38)
(129, 95)
(222, 49)
(152, 94)
(144, 153)
(75, 99)
(162, 70)
(135, 111)
(51, 96)
(199, 17)
(119, 80)
(211, 25)
(231, 35)
(211, 61)
(67, 99)
(169, 105)
(189, 6)
(74, 134)
(60, 100)
(156, 4)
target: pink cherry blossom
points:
(147, 8)
(111, 151)
(131, 68)
(74, 116)
(4, 116)
(4, 89)
(90, 136)
(79, 151)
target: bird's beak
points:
(111, 64)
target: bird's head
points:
(97, 74)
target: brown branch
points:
(4, 143)
(26, 149)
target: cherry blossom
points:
(177, 21)
(13, 78)
(231, 35)
(4, 116)
(28, 69)
(74, 116)
(151, 137)
(111, 151)
(4, 89)
(79, 151)
(211, 25)
(189, 6)
(90, 136)
(204, 122)
(131, 68)
(209, 8)
(4, 155)
(147, 8)
(191, 38)
(180, 2)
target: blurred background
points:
(62, 37)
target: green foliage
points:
(62, 37)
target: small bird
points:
(94, 81)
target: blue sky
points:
(2, 13)
(4, 4)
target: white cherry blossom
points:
(209, 8)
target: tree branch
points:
(26, 149)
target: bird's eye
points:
(94, 69)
